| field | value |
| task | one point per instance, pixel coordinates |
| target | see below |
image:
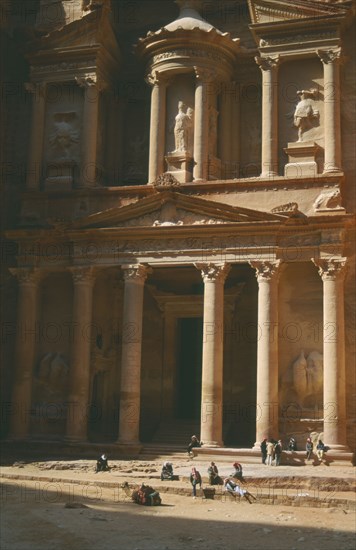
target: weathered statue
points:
(305, 114)
(300, 374)
(183, 129)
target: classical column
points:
(267, 413)
(225, 129)
(157, 126)
(130, 389)
(201, 125)
(235, 131)
(332, 273)
(89, 166)
(35, 154)
(332, 137)
(79, 372)
(26, 339)
(214, 276)
(269, 160)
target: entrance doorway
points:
(189, 367)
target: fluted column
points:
(267, 350)
(79, 372)
(332, 273)
(130, 390)
(269, 160)
(26, 340)
(157, 126)
(332, 135)
(201, 125)
(89, 166)
(35, 154)
(214, 276)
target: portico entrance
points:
(189, 361)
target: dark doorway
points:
(189, 364)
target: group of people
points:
(230, 483)
(271, 450)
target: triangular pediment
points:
(272, 11)
(169, 208)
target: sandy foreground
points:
(34, 515)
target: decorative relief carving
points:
(331, 269)
(328, 200)
(64, 135)
(305, 115)
(63, 66)
(303, 380)
(166, 181)
(190, 53)
(52, 379)
(266, 271)
(289, 207)
(213, 272)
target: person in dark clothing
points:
(167, 471)
(292, 445)
(102, 464)
(263, 447)
(213, 473)
(278, 452)
(194, 442)
(309, 448)
(320, 449)
(238, 471)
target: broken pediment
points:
(272, 11)
(169, 208)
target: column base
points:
(129, 447)
(337, 449)
(213, 444)
(270, 174)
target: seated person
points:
(213, 473)
(194, 442)
(238, 471)
(235, 489)
(292, 445)
(102, 464)
(320, 449)
(167, 471)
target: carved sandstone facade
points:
(179, 244)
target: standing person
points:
(278, 451)
(320, 448)
(292, 445)
(309, 448)
(195, 479)
(270, 451)
(213, 473)
(194, 442)
(263, 447)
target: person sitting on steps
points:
(194, 442)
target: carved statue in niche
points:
(305, 114)
(303, 381)
(64, 135)
(52, 378)
(183, 129)
(213, 131)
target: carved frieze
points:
(328, 200)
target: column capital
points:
(329, 56)
(136, 273)
(82, 275)
(36, 88)
(267, 63)
(90, 81)
(331, 269)
(203, 75)
(266, 271)
(156, 78)
(213, 272)
(27, 275)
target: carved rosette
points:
(332, 269)
(136, 273)
(267, 63)
(329, 56)
(27, 275)
(213, 272)
(266, 271)
(82, 275)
